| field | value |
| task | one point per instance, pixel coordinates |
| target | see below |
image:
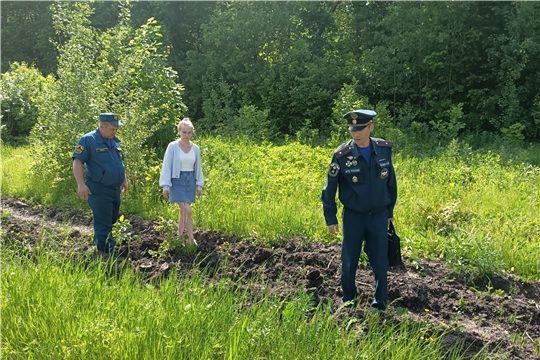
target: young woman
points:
(181, 176)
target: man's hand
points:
(334, 229)
(124, 185)
(390, 221)
(83, 191)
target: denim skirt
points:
(183, 189)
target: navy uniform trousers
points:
(371, 228)
(105, 205)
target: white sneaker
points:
(193, 242)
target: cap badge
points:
(354, 116)
(115, 117)
(354, 121)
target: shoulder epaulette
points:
(343, 150)
(383, 143)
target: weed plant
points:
(54, 308)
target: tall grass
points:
(474, 208)
(58, 309)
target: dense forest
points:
(274, 69)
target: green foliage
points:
(514, 132)
(445, 219)
(346, 101)
(218, 109)
(474, 257)
(448, 128)
(19, 94)
(120, 231)
(172, 242)
(279, 67)
(253, 123)
(26, 32)
(290, 59)
(121, 70)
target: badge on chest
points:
(351, 161)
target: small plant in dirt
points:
(514, 318)
(477, 292)
(172, 242)
(120, 231)
(462, 305)
(520, 339)
(492, 291)
(167, 227)
(6, 214)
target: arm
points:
(392, 189)
(198, 171)
(165, 177)
(328, 196)
(78, 172)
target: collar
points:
(356, 150)
(101, 139)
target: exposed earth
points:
(502, 316)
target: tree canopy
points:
(452, 67)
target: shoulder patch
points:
(383, 143)
(79, 149)
(333, 170)
(342, 151)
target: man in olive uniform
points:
(100, 152)
(362, 170)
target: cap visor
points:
(356, 128)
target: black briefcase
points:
(394, 247)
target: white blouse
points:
(187, 161)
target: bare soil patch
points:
(506, 321)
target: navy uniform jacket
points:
(361, 188)
(103, 164)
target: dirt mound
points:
(503, 316)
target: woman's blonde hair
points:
(185, 122)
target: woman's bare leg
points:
(181, 220)
(189, 221)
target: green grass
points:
(477, 209)
(54, 308)
(15, 165)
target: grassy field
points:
(53, 308)
(476, 209)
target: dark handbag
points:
(394, 247)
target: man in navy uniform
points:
(100, 152)
(362, 170)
